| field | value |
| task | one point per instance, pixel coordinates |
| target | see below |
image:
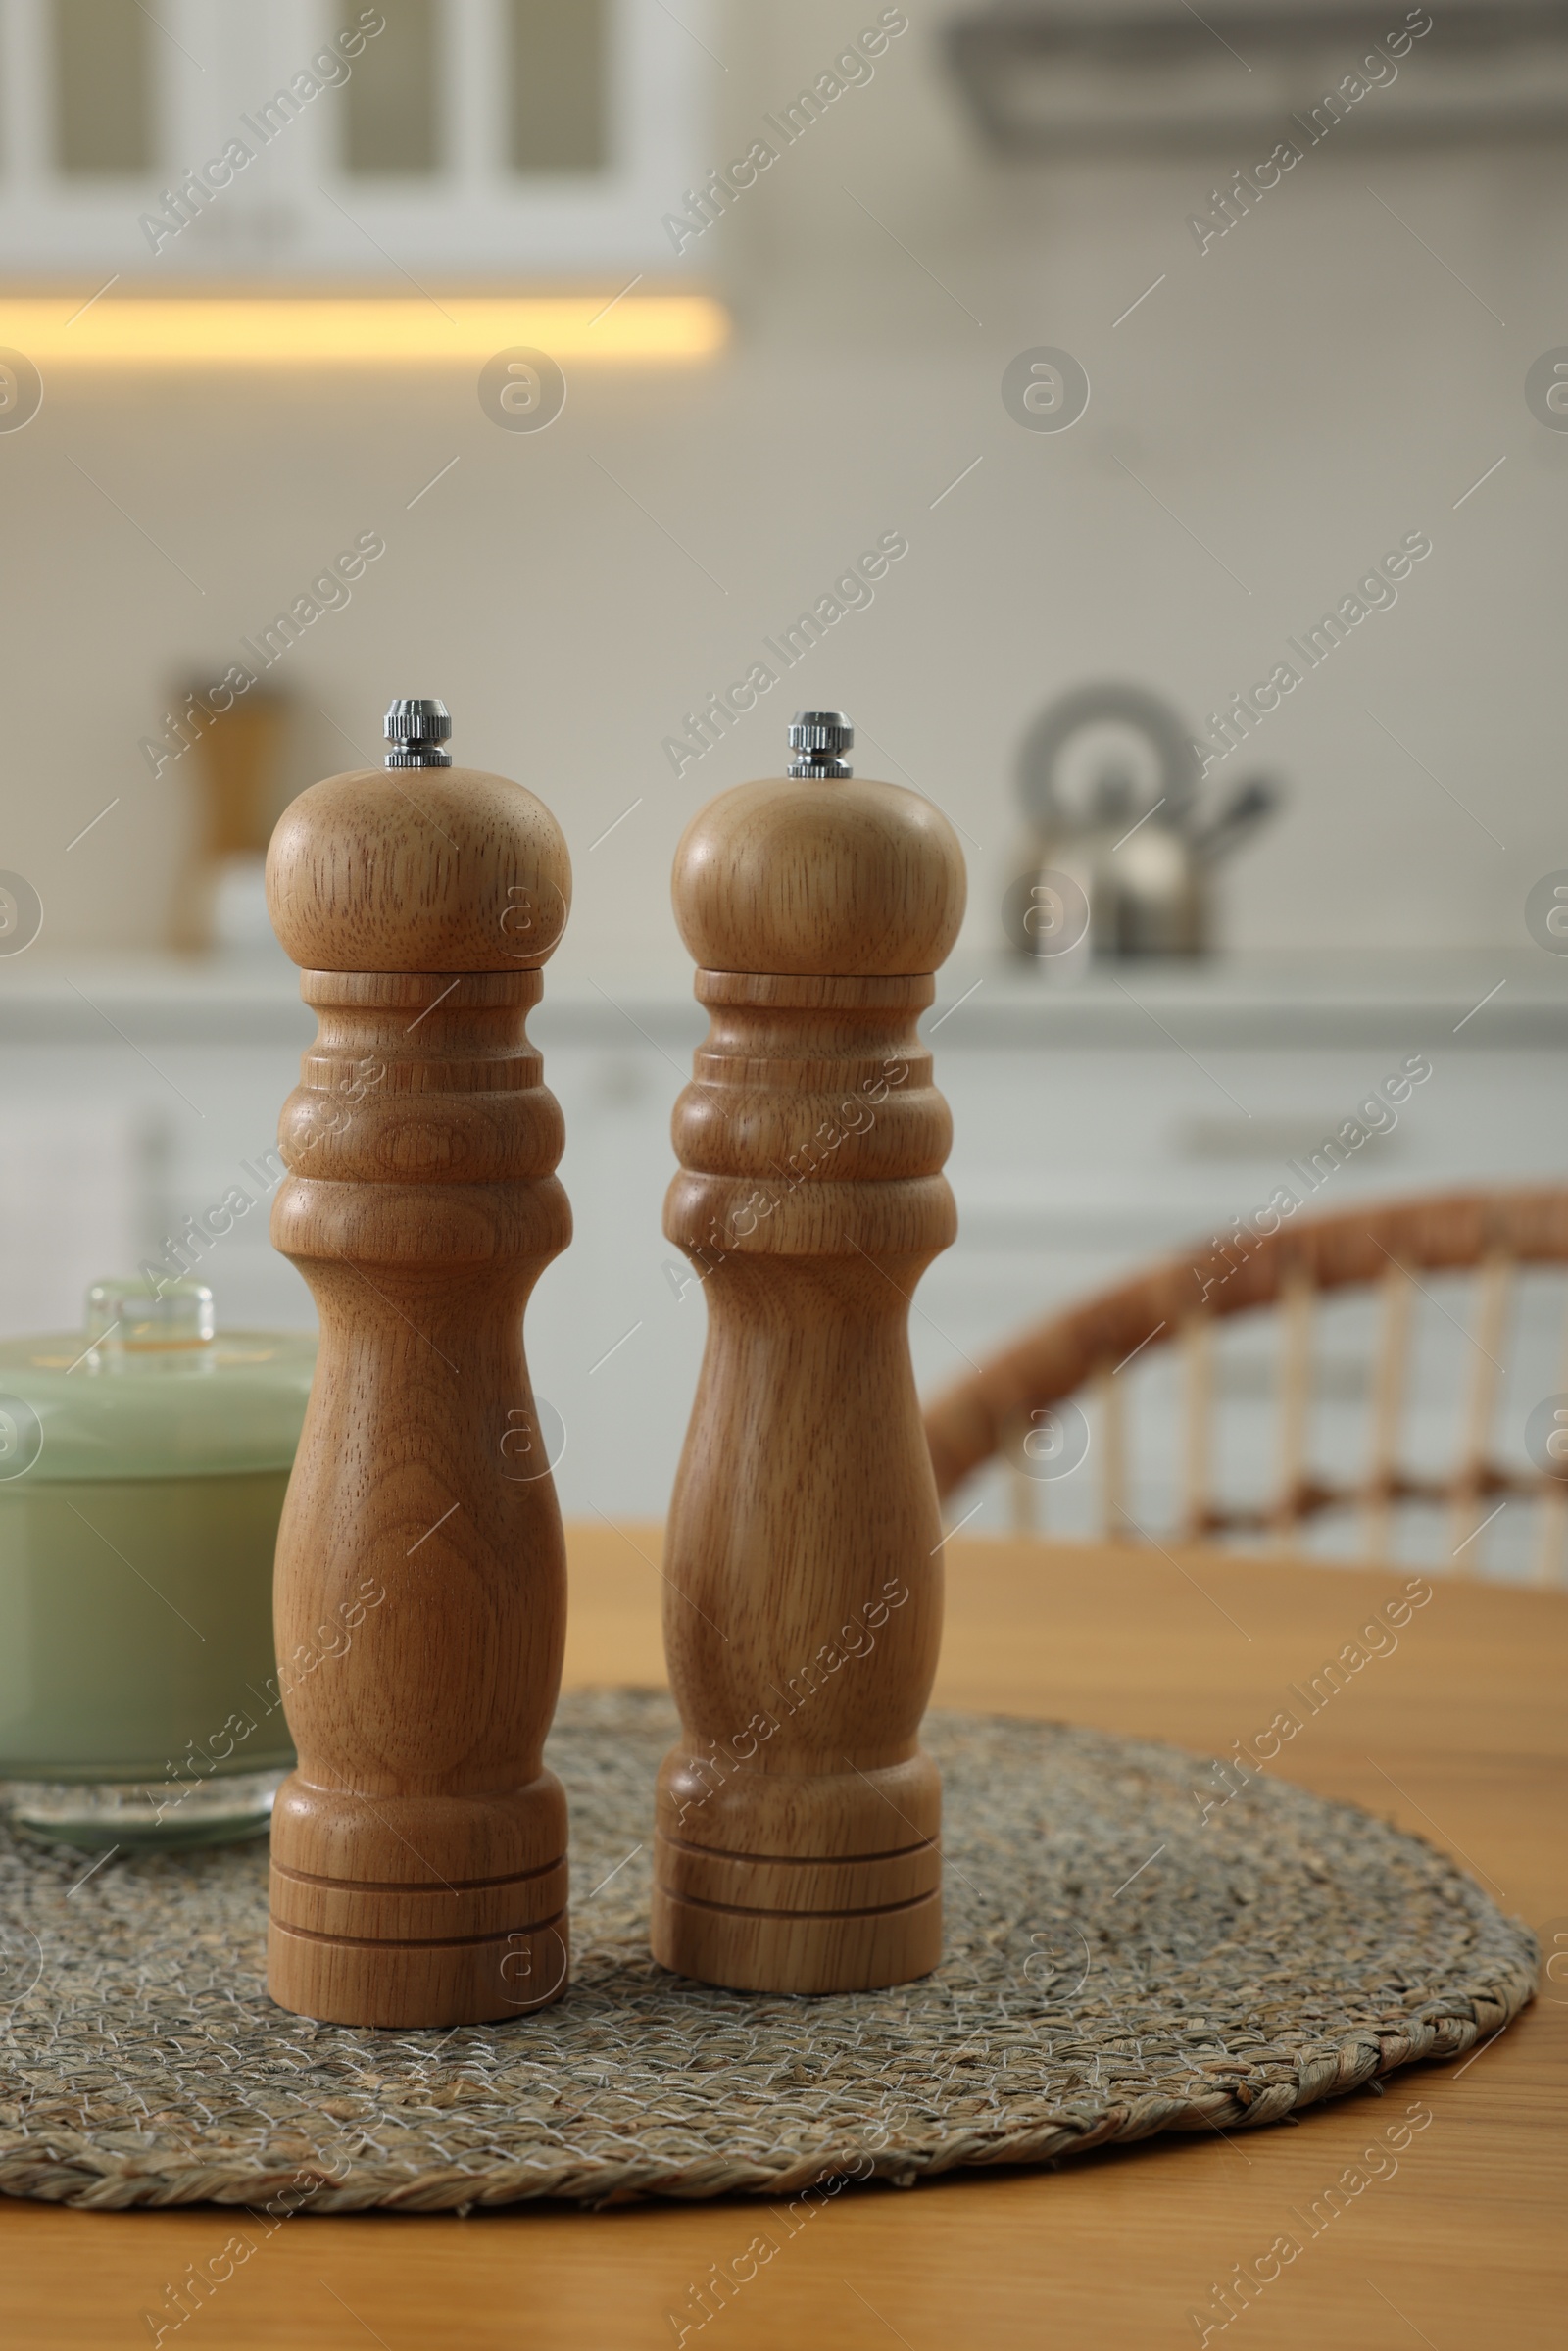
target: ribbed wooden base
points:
(819, 1884)
(778, 1952)
(341, 1981)
(481, 1938)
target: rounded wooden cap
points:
(822, 876)
(419, 869)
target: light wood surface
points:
(1460, 1736)
(798, 1845)
(420, 1848)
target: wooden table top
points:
(1460, 1735)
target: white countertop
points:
(1476, 996)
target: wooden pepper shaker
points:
(418, 1849)
(797, 1824)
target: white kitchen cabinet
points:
(499, 140)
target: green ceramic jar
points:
(143, 1463)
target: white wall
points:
(1312, 388)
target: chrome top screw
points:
(417, 730)
(817, 738)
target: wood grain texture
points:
(1463, 1726)
(798, 1820)
(418, 1850)
(850, 879)
(419, 869)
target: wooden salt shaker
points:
(418, 1849)
(798, 1817)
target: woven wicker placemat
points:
(1119, 1963)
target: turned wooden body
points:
(418, 1849)
(796, 1844)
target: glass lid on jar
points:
(148, 1326)
(150, 1387)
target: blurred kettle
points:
(1127, 872)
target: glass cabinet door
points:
(285, 140)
